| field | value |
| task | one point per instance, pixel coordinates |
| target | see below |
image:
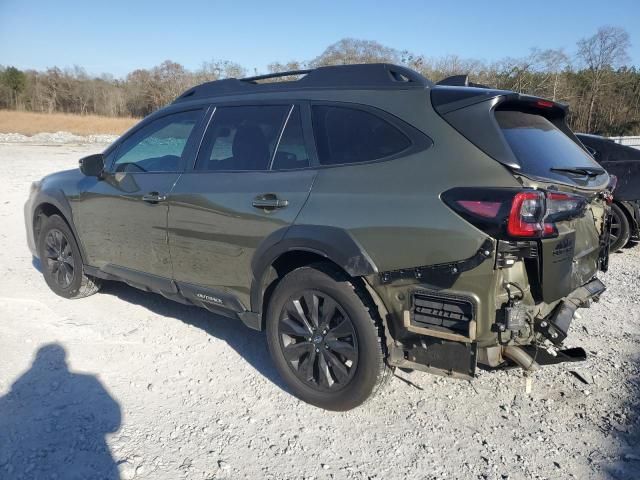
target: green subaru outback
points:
(364, 217)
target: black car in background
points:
(623, 162)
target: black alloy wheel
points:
(61, 261)
(59, 258)
(325, 337)
(318, 340)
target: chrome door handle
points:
(153, 197)
(269, 201)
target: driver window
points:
(159, 146)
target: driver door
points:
(122, 218)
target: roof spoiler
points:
(460, 81)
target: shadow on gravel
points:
(250, 344)
(626, 426)
(53, 423)
(35, 262)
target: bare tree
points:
(350, 50)
(554, 63)
(600, 54)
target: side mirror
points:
(93, 165)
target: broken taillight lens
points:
(511, 213)
(526, 214)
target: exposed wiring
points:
(510, 295)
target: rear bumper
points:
(555, 327)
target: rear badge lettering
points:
(563, 250)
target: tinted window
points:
(539, 145)
(159, 146)
(292, 151)
(242, 138)
(347, 135)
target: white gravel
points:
(155, 389)
(56, 138)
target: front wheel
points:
(61, 261)
(325, 338)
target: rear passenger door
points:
(250, 179)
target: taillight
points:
(544, 104)
(510, 213)
(484, 209)
(526, 215)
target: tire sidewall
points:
(369, 355)
(625, 228)
(56, 222)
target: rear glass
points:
(540, 146)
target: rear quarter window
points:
(348, 135)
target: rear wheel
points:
(61, 261)
(325, 339)
(620, 228)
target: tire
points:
(620, 228)
(335, 358)
(61, 261)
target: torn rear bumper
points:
(555, 327)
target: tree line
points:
(601, 89)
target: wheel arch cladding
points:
(301, 245)
(55, 203)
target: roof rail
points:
(460, 81)
(369, 76)
(290, 73)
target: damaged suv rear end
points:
(361, 215)
(539, 213)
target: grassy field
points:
(29, 123)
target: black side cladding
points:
(442, 275)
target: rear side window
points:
(242, 138)
(348, 135)
(540, 146)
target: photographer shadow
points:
(53, 423)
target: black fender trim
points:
(442, 275)
(58, 199)
(333, 243)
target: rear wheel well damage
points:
(291, 260)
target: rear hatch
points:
(565, 190)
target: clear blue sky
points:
(116, 36)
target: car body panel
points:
(136, 237)
(211, 213)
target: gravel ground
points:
(126, 384)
